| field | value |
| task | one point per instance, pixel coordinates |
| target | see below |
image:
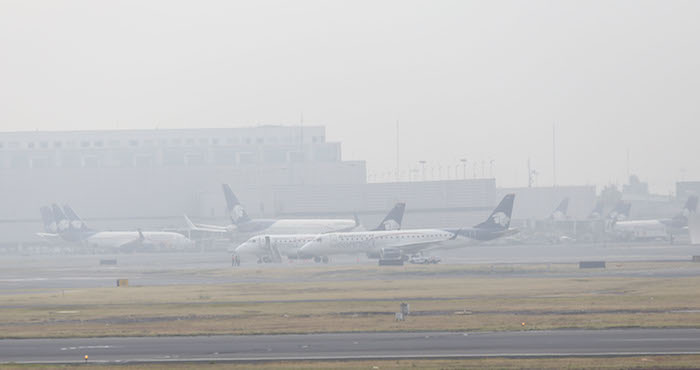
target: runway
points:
(557, 343)
(55, 272)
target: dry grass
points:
(637, 362)
(342, 304)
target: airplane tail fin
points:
(597, 212)
(621, 212)
(62, 222)
(233, 206)
(691, 205)
(75, 222)
(560, 212)
(500, 217)
(50, 225)
(393, 219)
(190, 224)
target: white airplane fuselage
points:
(286, 244)
(304, 226)
(117, 239)
(247, 230)
(641, 229)
(371, 242)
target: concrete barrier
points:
(112, 261)
(591, 265)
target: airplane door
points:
(274, 252)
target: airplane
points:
(553, 229)
(664, 228)
(559, 225)
(597, 212)
(50, 233)
(70, 228)
(271, 248)
(242, 225)
(560, 212)
(410, 242)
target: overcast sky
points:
(482, 80)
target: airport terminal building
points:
(128, 179)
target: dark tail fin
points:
(49, 222)
(621, 212)
(597, 212)
(500, 217)
(233, 207)
(691, 205)
(560, 212)
(62, 223)
(75, 222)
(393, 219)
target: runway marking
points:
(85, 347)
(372, 357)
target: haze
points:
(481, 80)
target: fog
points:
(206, 181)
(477, 80)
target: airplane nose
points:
(244, 248)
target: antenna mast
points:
(398, 176)
(554, 155)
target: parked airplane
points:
(244, 226)
(560, 212)
(69, 227)
(664, 228)
(597, 212)
(409, 242)
(554, 229)
(271, 248)
(50, 226)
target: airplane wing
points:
(412, 247)
(49, 237)
(419, 247)
(206, 228)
